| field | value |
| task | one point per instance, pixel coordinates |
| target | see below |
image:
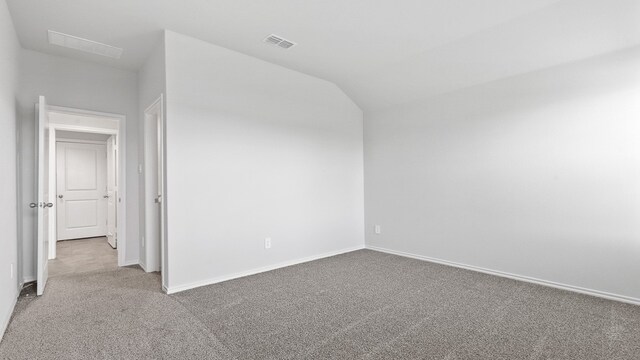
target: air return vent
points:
(279, 41)
(76, 43)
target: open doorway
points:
(86, 170)
(80, 172)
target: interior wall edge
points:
(143, 265)
(10, 66)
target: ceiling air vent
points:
(90, 46)
(279, 41)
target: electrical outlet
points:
(140, 169)
(143, 241)
(12, 270)
(267, 243)
(377, 230)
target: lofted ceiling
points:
(381, 52)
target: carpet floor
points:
(83, 255)
(360, 305)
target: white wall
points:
(82, 85)
(536, 175)
(255, 150)
(9, 50)
(151, 84)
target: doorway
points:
(86, 228)
(79, 169)
(86, 178)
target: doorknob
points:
(46, 205)
(60, 196)
(33, 205)
(106, 196)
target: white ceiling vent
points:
(279, 41)
(76, 43)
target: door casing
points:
(112, 191)
(88, 121)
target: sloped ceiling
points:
(381, 52)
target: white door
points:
(82, 190)
(112, 191)
(44, 203)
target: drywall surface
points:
(255, 151)
(536, 175)
(151, 85)
(9, 51)
(86, 86)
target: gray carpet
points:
(83, 255)
(361, 305)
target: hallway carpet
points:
(360, 305)
(83, 255)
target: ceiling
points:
(381, 53)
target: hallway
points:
(83, 255)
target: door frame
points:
(120, 132)
(156, 107)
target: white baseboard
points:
(577, 289)
(175, 289)
(28, 279)
(5, 321)
(143, 266)
(130, 262)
